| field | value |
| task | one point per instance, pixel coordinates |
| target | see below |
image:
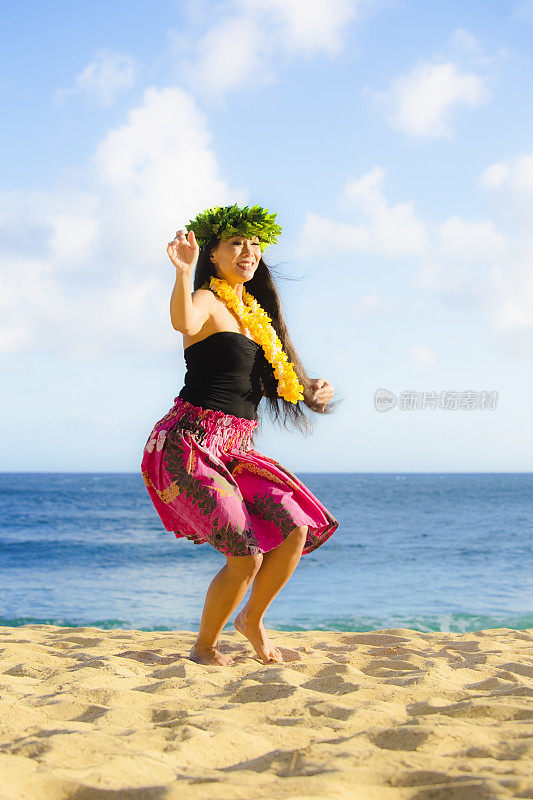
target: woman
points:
(206, 480)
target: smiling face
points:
(236, 258)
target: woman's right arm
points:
(188, 313)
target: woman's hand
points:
(322, 390)
(183, 251)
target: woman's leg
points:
(276, 569)
(224, 594)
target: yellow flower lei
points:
(258, 322)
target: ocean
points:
(425, 551)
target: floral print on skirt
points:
(209, 484)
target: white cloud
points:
(423, 357)
(483, 266)
(510, 301)
(391, 230)
(103, 78)
(72, 236)
(84, 271)
(421, 103)
(154, 172)
(14, 338)
(368, 303)
(523, 10)
(461, 240)
(309, 26)
(462, 39)
(515, 175)
(511, 316)
(510, 295)
(28, 295)
(494, 176)
(470, 48)
(250, 43)
(233, 54)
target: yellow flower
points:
(258, 323)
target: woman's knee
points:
(299, 534)
(245, 566)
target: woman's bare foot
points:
(258, 638)
(203, 654)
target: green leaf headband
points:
(227, 221)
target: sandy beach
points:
(91, 713)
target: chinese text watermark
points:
(385, 400)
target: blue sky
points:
(393, 139)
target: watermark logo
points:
(384, 400)
(469, 400)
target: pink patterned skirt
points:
(208, 484)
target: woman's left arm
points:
(322, 390)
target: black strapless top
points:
(224, 373)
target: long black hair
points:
(263, 287)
